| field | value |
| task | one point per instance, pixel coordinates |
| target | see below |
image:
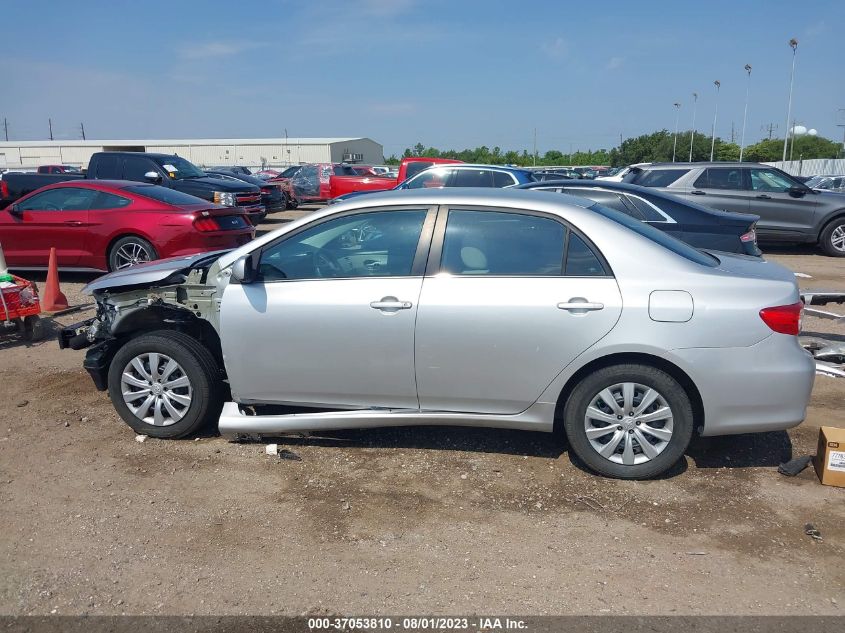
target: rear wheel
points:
(165, 384)
(832, 239)
(629, 421)
(129, 251)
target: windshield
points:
(289, 172)
(815, 181)
(656, 235)
(179, 168)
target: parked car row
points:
(789, 210)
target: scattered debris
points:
(84, 419)
(67, 423)
(832, 353)
(271, 449)
(286, 454)
(589, 502)
(23, 403)
(828, 369)
(803, 275)
(696, 553)
(141, 438)
(811, 530)
(346, 505)
(795, 466)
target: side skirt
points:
(236, 421)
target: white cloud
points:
(556, 49)
(217, 49)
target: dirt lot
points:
(398, 521)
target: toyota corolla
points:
(494, 308)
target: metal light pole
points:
(793, 43)
(677, 118)
(692, 134)
(716, 83)
(745, 113)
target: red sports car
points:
(111, 224)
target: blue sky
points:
(452, 74)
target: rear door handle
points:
(73, 222)
(764, 197)
(391, 304)
(580, 305)
(697, 192)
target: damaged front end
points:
(182, 294)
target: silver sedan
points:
(507, 309)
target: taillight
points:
(4, 189)
(784, 319)
(205, 225)
(751, 236)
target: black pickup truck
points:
(167, 170)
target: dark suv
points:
(788, 209)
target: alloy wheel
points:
(837, 238)
(628, 423)
(156, 389)
(130, 254)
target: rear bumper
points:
(765, 387)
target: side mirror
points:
(797, 192)
(15, 211)
(243, 271)
(153, 176)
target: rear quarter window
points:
(658, 237)
(657, 177)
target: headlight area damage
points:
(164, 295)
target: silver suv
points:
(789, 210)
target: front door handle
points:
(698, 192)
(579, 305)
(73, 223)
(390, 304)
(764, 197)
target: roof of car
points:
(703, 164)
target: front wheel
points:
(832, 239)
(129, 251)
(165, 384)
(629, 421)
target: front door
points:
(515, 298)
(330, 319)
(54, 218)
(782, 215)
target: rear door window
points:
(503, 179)
(720, 178)
(108, 167)
(472, 178)
(434, 178)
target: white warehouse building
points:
(249, 152)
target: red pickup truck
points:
(340, 185)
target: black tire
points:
(194, 360)
(671, 391)
(293, 203)
(827, 236)
(129, 244)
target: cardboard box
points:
(830, 458)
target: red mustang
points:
(111, 224)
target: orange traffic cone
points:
(53, 300)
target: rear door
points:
(499, 313)
(723, 188)
(54, 218)
(782, 215)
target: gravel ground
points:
(405, 520)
